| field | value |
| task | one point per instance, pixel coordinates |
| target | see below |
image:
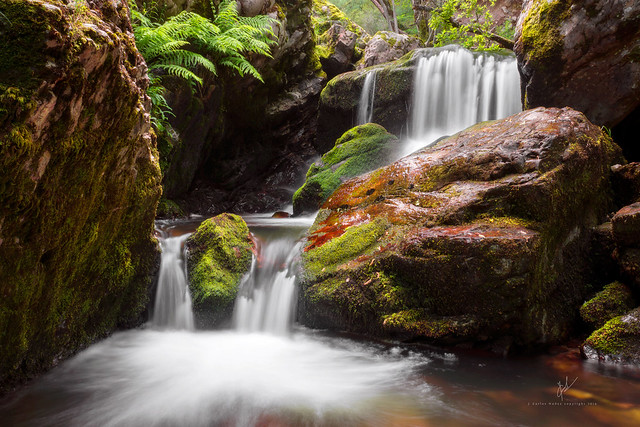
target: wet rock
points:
(386, 46)
(626, 183)
(629, 263)
(617, 341)
(498, 215)
(604, 268)
(359, 150)
(219, 255)
(581, 54)
(79, 180)
(614, 300)
(626, 226)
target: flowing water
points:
(367, 98)
(454, 89)
(270, 372)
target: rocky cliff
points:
(79, 180)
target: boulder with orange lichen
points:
(480, 238)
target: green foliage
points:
(464, 22)
(365, 14)
(189, 46)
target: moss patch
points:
(619, 338)
(614, 300)
(359, 150)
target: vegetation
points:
(369, 14)
(190, 46)
(467, 23)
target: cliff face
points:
(79, 180)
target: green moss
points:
(357, 240)
(614, 300)
(220, 253)
(612, 338)
(169, 209)
(541, 38)
(357, 151)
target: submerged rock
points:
(481, 237)
(586, 56)
(617, 341)
(79, 180)
(614, 300)
(359, 150)
(219, 255)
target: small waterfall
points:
(454, 89)
(172, 308)
(267, 294)
(365, 107)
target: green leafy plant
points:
(467, 23)
(189, 46)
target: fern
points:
(189, 46)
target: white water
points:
(367, 97)
(172, 307)
(454, 89)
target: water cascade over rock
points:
(454, 89)
(172, 308)
(368, 96)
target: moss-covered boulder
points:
(340, 42)
(359, 150)
(479, 238)
(614, 300)
(219, 255)
(617, 341)
(79, 180)
(582, 55)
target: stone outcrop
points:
(386, 46)
(479, 238)
(79, 180)
(359, 150)
(614, 300)
(219, 255)
(585, 55)
(617, 341)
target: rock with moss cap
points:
(614, 300)
(387, 46)
(79, 180)
(340, 42)
(219, 255)
(359, 150)
(479, 238)
(617, 341)
(586, 56)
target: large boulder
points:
(481, 237)
(79, 180)
(219, 255)
(359, 150)
(585, 55)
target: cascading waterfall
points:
(172, 307)
(454, 89)
(367, 97)
(267, 294)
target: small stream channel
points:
(269, 371)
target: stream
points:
(269, 371)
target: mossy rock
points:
(499, 215)
(219, 255)
(169, 209)
(359, 150)
(79, 181)
(614, 300)
(617, 341)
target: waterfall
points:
(172, 308)
(365, 107)
(266, 297)
(454, 89)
